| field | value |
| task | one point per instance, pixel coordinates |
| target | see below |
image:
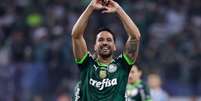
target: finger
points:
(111, 2)
(99, 1)
(100, 7)
(105, 7)
(105, 2)
(106, 11)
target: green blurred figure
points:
(137, 90)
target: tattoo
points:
(132, 46)
(131, 49)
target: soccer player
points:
(137, 90)
(104, 78)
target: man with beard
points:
(104, 78)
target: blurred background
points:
(36, 61)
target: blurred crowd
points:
(36, 60)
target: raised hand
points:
(96, 4)
(111, 7)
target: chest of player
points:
(105, 76)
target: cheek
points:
(98, 44)
(131, 75)
(112, 46)
(95, 47)
(136, 75)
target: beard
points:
(105, 51)
(105, 55)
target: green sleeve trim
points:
(148, 100)
(128, 59)
(80, 61)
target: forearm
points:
(81, 24)
(132, 44)
(128, 24)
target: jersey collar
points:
(102, 64)
(136, 83)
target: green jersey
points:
(138, 92)
(100, 82)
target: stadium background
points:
(36, 60)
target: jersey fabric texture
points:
(100, 82)
(138, 91)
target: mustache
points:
(102, 46)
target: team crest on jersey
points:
(102, 74)
(112, 68)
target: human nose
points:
(104, 43)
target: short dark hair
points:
(106, 29)
(138, 68)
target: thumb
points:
(105, 7)
(105, 11)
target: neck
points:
(137, 81)
(105, 60)
(134, 82)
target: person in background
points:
(63, 97)
(157, 93)
(137, 90)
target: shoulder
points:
(121, 60)
(125, 59)
(85, 62)
(144, 85)
(86, 58)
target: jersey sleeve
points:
(145, 93)
(82, 62)
(126, 62)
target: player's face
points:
(134, 75)
(105, 45)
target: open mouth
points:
(105, 48)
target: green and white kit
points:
(100, 82)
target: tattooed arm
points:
(132, 44)
(132, 48)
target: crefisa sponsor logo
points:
(104, 83)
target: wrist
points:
(91, 7)
(118, 9)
